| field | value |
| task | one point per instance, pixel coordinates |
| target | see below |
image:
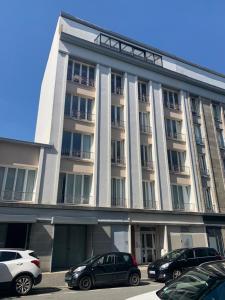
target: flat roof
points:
(28, 143)
(140, 44)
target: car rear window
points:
(7, 256)
(33, 254)
(201, 252)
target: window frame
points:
(80, 77)
(78, 116)
(148, 188)
(121, 202)
(114, 88)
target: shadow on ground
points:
(35, 291)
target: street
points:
(53, 287)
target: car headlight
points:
(79, 269)
(165, 266)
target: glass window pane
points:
(78, 189)
(2, 172)
(76, 145)
(69, 70)
(89, 109)
(86, 191)
(61, 188)
(67, 105)
(77, 72)
(112, 83)
(30, 185)
(83, 108)
(9, 184)
(86, 146)
(91, 76)
(69, 188)
(84, 74)
(118, 84)
(66, 142)
(75, 109)
(19, 184)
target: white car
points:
(19, 270)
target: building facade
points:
(129, 153)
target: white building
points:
(129, 153)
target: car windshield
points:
(173, 254)
(90, 260)
(189, 286)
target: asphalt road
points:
(109, 293)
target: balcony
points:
(83, 81)
(148, 204)
(120, 161)
(145, 129)
(117, 91)
(118, 202)
(147, 164)
(175, 107)
(209, 208)
(179, 170)
(76, 154)
(16, 196)
(81, 116)
(79, 200)
(183, 206)
(118, 123)
(143, 99)
(176, 136)
(128, 49)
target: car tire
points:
(176, 274)
(134, 279)
(85, 283)
(22, 285)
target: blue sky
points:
(192, 29)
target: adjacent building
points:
(129, 153)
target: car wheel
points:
(85, 283)
(176, 274)
(22, 285)
(134, 279)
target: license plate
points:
(152, 272)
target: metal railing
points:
(118, 123)
(14, 196)
(147, 164)
(118, 161)
(83, 116)
(173, 106)
(176, 136)
(200, 141)
(129, 49)
(83, 80)
(179, 169)
(209, 208)
(183, 206)
(77, 154)
(143, 99)
(149, 204)
(145, 128)
(118, 202)
(80, 200)
(117, 91)
(204, 172)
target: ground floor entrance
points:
(148, 246)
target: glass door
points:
(148, 250)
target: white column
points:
(160, 146)
(165, 242)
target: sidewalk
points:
(56, 279)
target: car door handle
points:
(19, 264)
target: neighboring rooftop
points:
(28, 143)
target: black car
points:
(205, 282)
(105, 269)
(171, 265)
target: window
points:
(117, 152)
(146, 156)
(7, 256)
(16, 184)
(208, 199)
(220, 138)
(202, 164)
(171, 100)
(173, 129)
(198, 134)
(144, 121)
(74, 188)
(80, 73)
(195, 106)
(142, 92)
(78, 107)
(176, 161)
(109, 259)
(180, 196)
(118, 192)
(76, 145)
(212, 252)
(148, 194)
(117, 116)
(201, 252)
(216, 112)
(116, 84)
(189, 254)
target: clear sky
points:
(192, 29)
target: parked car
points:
(19, 270)
(171, 265)
(205, 282)
(111, 268)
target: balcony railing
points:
(78, 200)
(179, 170)
(204, 172)
(118, 161)
(117, 91)
(147, 164)
(200, 141)
(183, 206)
(128, 49)
(118, 202)
(149, 204)
(118, 123)
(143, 98)
(173, 106)
(77, 154)
(145, 129)
(209, 208)
(83, 80)
(15, 196)
(82, 116)
(176, 136)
